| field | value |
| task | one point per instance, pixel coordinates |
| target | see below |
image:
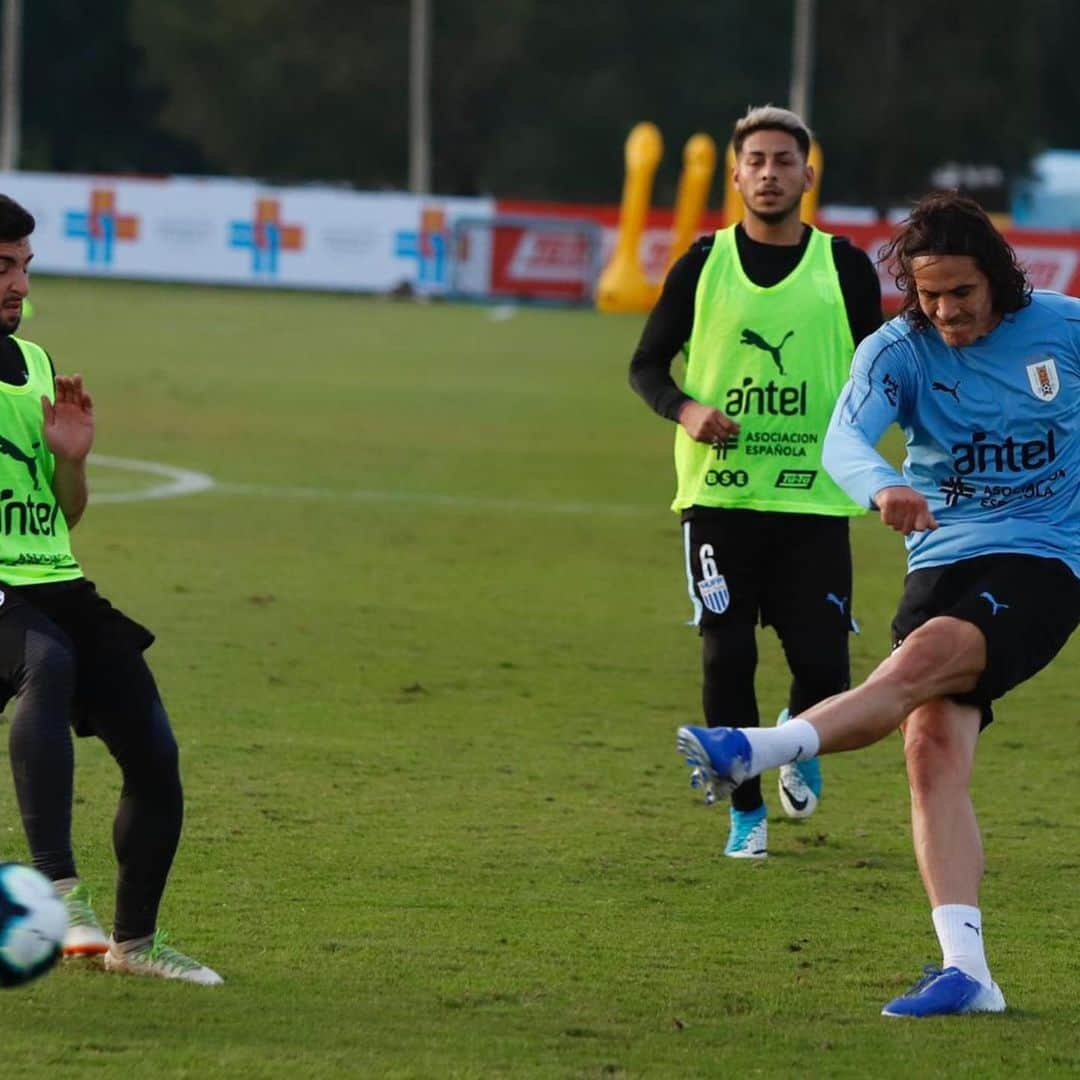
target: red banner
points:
(530, 262)
(1052, 259)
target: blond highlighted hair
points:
(771, 118)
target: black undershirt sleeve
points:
(861, 288)
(667, 329)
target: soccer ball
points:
(33, 921)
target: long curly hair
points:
(948, 223)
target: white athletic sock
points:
(959, 929)
(64, 885)
(133, 945)
(797, 740)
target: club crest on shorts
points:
(1044, 380)
(714, 593)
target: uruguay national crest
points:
(1044, 380)
(714, 593)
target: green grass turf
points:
(424, 649)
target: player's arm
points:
(68, 427)
(666, 332)
(869, 403)
(860, 287)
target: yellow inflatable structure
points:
(699, 167)
(623, 285)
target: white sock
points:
(64, 885)
(132, 945)
(797, 740)
(959, 929)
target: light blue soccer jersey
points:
(993, 432)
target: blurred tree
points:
(531, 98)
(902, 89)
(286, 91)
(1056, 122)
(87, 103)
(535, 99)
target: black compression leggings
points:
(136, 730)
(817, 657)
(729, 662)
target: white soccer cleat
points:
(152, 956)
(749, 834)
(84, 936)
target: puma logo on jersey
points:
(9, 449)
(752, 337)
(953, 390)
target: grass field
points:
(423, 644)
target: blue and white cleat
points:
(946, 993)
(700, 779)
(749, 836)
(799, 784)
(719, 758)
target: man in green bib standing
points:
(768, 313)
(69, 659)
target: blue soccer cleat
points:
(719, 758)
(799, 783)
(749, 836)
(946, 993)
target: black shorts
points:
(777, 568)
(111, 674)
(1025, 606)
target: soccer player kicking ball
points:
(71, 659)
(983, 376)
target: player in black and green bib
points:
(69, 659)
(767, 314)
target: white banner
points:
(239, 232)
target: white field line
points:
(188, 482)
(178, 481)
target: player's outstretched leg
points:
(154, 956)
(946, 993)
(799, 783)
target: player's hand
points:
(69, 419)
(902, 508)
(705, 424)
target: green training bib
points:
(34, 544)
(775, 360)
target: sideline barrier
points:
(1052, 258)
(240, 232)
(521, 257)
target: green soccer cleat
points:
(152, 956)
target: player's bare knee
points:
(909, 672)
(938, 752)
(942, 656)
